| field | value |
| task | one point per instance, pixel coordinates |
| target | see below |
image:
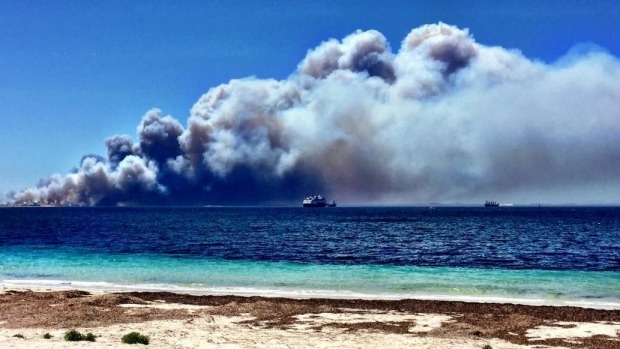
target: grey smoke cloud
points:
(442, 119)
(119, 147)
(159, 135)
(366, 52)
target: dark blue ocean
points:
(567, 255)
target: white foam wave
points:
(41, 283)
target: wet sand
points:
(187, 321)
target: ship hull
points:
(315, 204)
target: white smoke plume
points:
(442, 119)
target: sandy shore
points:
(186, 321)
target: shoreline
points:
(178, 320)
(105, 287)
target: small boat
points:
(314, 201)
(332, 204)
(491, 204)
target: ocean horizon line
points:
(345, 205)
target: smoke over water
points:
(443, 119)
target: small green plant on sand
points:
(487, 347)
(19, 335)
(135, 337)
(47, 335)
(75, 336)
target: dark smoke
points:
(443, 119)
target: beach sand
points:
(187, 321)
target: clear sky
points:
(73, 73)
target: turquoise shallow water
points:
(554, 256)
(46, 268)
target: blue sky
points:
(75, 72)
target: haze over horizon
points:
(437, 117)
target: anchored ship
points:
(314, 201)
(491, 204)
